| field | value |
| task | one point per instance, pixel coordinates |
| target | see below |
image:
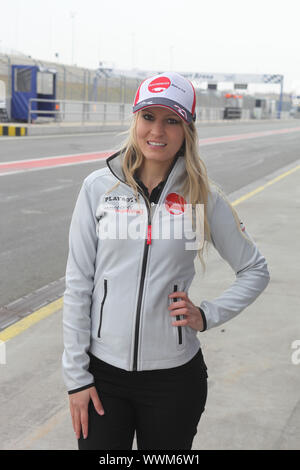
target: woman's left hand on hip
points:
(184, 306)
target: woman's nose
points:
(157, 128)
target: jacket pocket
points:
(102, 305)
(178, 318)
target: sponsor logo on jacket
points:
(122, 217)
(175, 203)
(122, 204)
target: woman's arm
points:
(78, 293)
(242, 254)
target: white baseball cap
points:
(167, 90)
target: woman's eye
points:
(150, 117)
(147, 116)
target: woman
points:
(132, 360)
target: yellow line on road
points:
(53, 307)
(22, 325)
(261, 188)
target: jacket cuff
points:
(80, 389)
(204, 319)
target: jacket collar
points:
(114, 163)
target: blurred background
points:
(240, 56)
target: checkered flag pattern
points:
(272, 78)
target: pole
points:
(105, 99)
(89, 86)
(280, 99)
(95, 87)
(121, 87)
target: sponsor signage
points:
(240, 86)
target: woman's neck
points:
(152, 173)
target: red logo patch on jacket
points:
(175, 204)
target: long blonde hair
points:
(196, 184)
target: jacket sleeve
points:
(236, 246)
(79, 280)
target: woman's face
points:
(159, 133)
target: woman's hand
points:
(79, 409)
(185, 306)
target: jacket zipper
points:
(141, 289)
(142, 280)
(102, 304)
(179, 328)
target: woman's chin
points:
(157, 155)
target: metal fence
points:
(86, 112)
(80, 111)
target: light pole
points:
(280, 99)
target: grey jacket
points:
(121, 268)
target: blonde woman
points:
(132, 360)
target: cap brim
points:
(182, 112)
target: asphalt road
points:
(36, 206)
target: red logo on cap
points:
(159, 84)
(175, 204)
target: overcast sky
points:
(255, 36)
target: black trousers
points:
(162, 406)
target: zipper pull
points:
(149, 235)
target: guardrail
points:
(120, 113)
(102, 113)
(84, 111)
